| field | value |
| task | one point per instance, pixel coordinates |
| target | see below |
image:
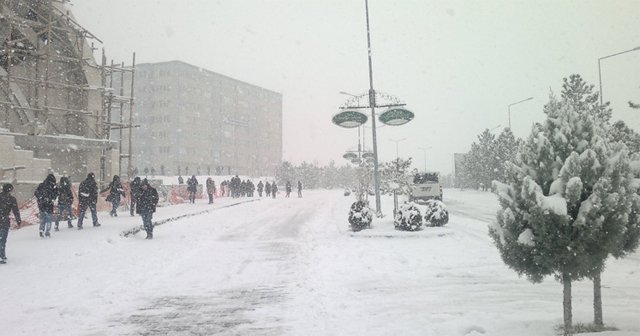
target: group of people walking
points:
(144, 199)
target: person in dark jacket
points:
(274, 189)
(288, 189)
(147, 202)
(192, 188)
(65, 200)
(299, 189)
(88, 197)
(46, 193)
(115, 191)
(8, 204)
(260, 188)
(135, 192)
(267, 189)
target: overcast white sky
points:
(457, 64)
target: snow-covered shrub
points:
(408, 217)
(436, 213)
(360, 215)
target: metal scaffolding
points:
(50, 83)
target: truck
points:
(425, 186)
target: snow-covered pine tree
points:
(543, 226)
(619, 131)
(506, 147)
(612, 190)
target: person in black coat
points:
(46, 193)
(288, 189)
(65, 200)
(260, 188)
(88, 197)
(8, 204)
(192, 188)
(115, 191)
(147, 202)
(274, 189)
(299, 189)
(135, 192)
(267, 189)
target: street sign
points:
(396, 116)
(349, 118)
(367, 155)
(350, 156)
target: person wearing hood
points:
(46, 193)
(65, 199)
(135, 192)
(211, 189)
(147, 202)
(260, 188)
(192, 188)
(88, 198)
(8, 204)
(115, 191)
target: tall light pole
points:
(395, 115)
(600, 69)
(518, 102)
(372, 103)
(424, 151)
(397, 141)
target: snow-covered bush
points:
(360, 215)
(436, 213)
(408, 217)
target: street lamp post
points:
(424, 151)
(397, 141)
(351, 117)
(518, 102)
(600, 69)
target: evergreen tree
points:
(547, 223)
(506, 147)
(619, 131)
(482, 162)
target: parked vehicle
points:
(425, 186)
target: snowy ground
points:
(289, 267)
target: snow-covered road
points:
(289, 267)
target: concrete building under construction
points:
(56, 101)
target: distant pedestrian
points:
(211, 189)
(180, 180)
(274, 189)
(46, 194)
(192, 188)
(287, 188)
(299, 189)
(115, 191)
(8, 204)
(88, 198)
(267, 189)
(65, 200)
(135, 192)
(260, 188)
(147, 203)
